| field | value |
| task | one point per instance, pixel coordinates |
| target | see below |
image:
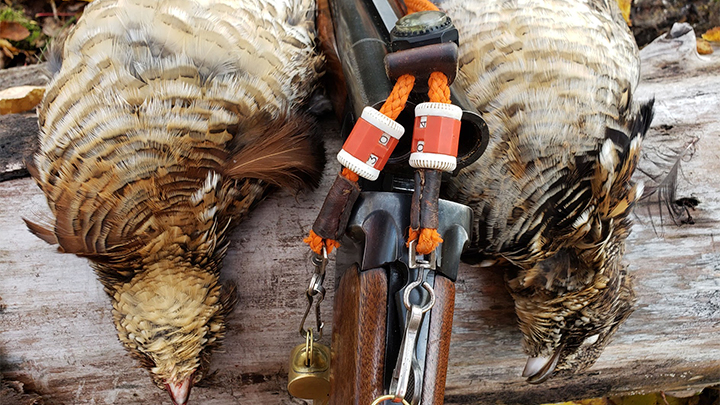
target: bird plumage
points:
(555, 82)
(164, 123)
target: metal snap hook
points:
(316, 289)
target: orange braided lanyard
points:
(439, 91)
(413, 6)
(428, 239)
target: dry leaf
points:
(13, 31)
(7, 48)
(625, 7)
(19, 99)
(712, 35)
(704, 47)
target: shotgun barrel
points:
(362, 40)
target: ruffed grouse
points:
(164, 122)
(555, 81)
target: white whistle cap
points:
(438, 110)
(421, 160)
(383, 122)
(362, 169)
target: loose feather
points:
(281, 154)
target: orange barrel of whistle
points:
(370, 144)
(436, 135)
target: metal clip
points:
(419, 281)
(407, 360)
(413, 261)
(316, 289)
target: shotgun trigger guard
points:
(315, 289)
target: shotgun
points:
(384, 346)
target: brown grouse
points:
(164, 122)
(555, 80)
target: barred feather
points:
(554, 80)
(164, 123)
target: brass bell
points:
(309, 371)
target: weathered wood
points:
(34, 75)
(57, 337)
(18, 132)
(18, 141)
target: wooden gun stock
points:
(359, 332)
(358, 338)
(438, 346)
(369, 323)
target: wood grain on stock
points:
(439, 342)
(358, 349)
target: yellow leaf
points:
(7, 48)
(625, 6)
(704, 47)
(20, 99)
(712, 35)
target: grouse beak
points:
(539, 369)
(179, 391)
